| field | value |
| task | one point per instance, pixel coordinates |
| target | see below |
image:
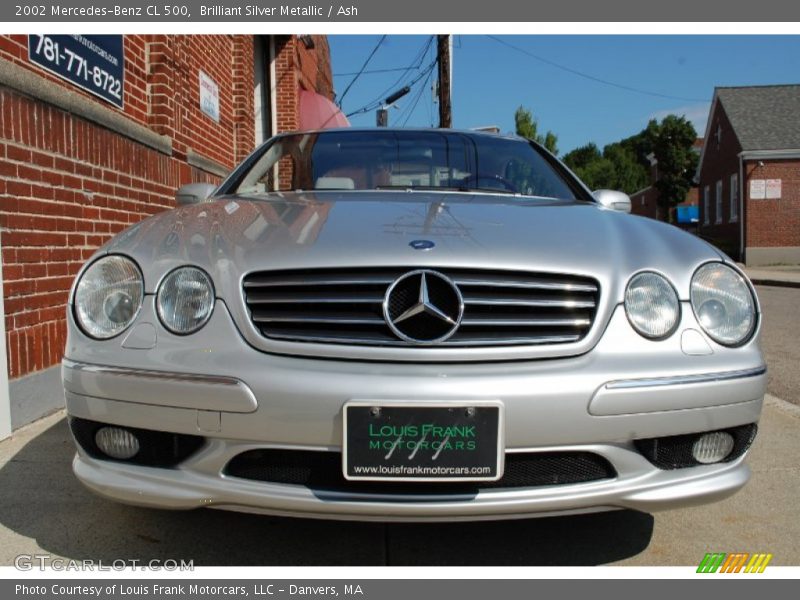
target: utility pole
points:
(444, 45)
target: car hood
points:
(234, 235)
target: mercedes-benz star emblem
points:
(423, 307)
(421, 244)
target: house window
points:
(706, 205)
(718, 203)
(734, 212)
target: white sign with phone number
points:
(209, 96)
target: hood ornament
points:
(423, 307)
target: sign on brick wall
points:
(209, 96)
(773, 189)
(758, 189)
(94, 63)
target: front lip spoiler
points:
(186, 489)
(684, 379)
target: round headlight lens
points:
(723, 304)
(652, 305)
(185, 300)
(108, 296)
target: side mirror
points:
(613, 200)
(194, 193)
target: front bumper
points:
(192, 486)
(627, 388)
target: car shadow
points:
(40, 499)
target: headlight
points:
(185, 300)
(108, 296)
(652, 305)
(723, 304)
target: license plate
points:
(422, 442)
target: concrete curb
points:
(775, 282)
(785, 407)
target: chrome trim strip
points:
(310, 281)
(520, 302)
(527, 322)
(330, 320)
(315, 300)
(376, 341)
(532, 285)
(685, 379)
(157, 375)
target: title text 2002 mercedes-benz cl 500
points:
(410, 325)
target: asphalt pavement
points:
(780, 340)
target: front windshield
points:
(381, 160)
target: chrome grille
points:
(345, 306)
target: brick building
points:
(749, 174)
(78, 164)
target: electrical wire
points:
(372, 71)
(592, 77)
(400, 82)
(364, 66)
(375, 104)
(422, 89)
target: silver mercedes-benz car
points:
(410, 325)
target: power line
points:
(592, 77)
(364, 66)
(426, 71)
(371, 71)
(404, 78)
(422, 89)
(415, 63)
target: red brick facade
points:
(300, 65)
(720, 164)
(773, 223)
(68, 182)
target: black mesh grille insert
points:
(675, 452)
(156, 448)
(323, 471)
(345, 306)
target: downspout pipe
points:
(741, 209)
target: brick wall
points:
(645, 202)
(296, 67)
(776, 222)
(67, 184)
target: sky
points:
(584, 88)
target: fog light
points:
(712, 447)
(116, 442)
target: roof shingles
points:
(764, 117)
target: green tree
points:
(671, 143)
(528, 127)
(625, 165)
(630, 175)
(617, 168)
